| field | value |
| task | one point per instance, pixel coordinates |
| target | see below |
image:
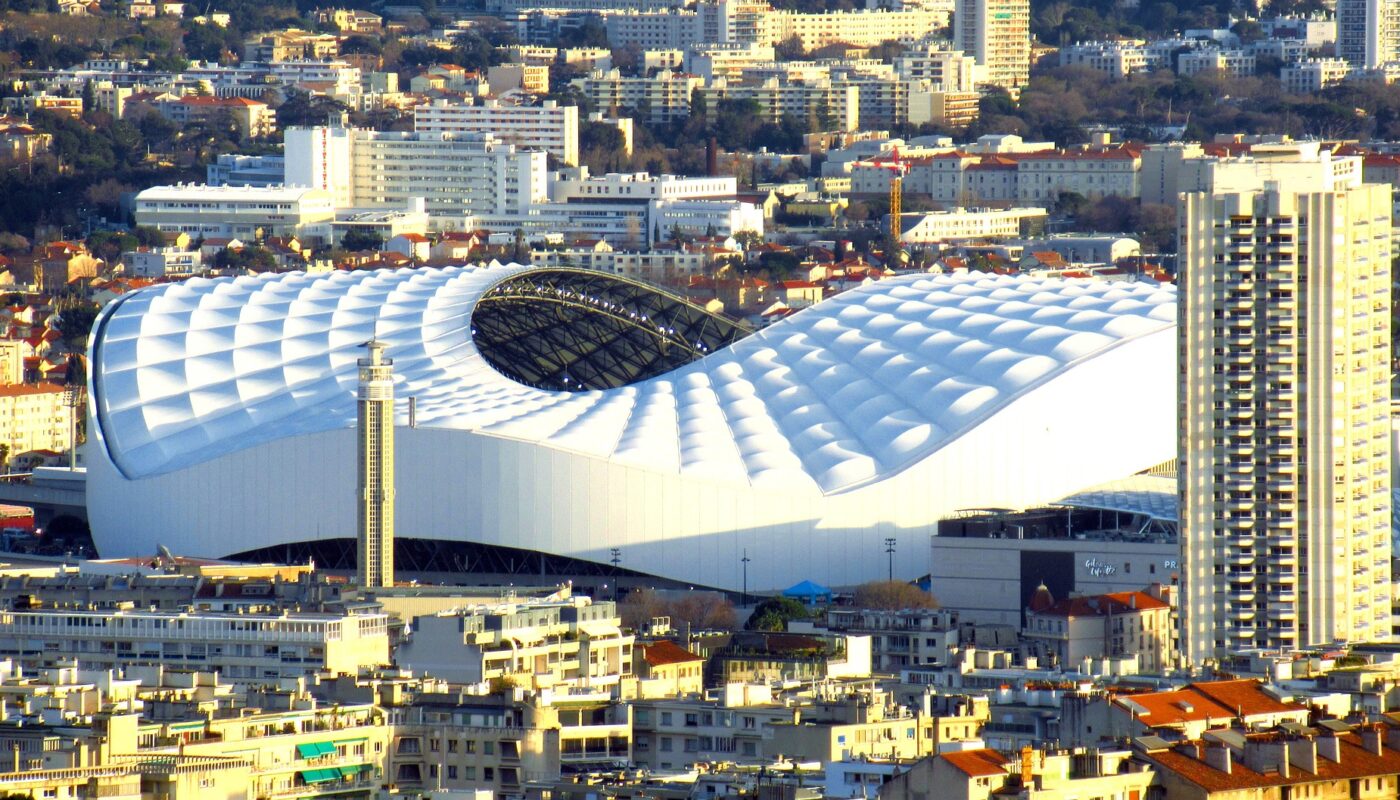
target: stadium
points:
(553, 419)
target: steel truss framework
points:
(580, 330)
(446, 556)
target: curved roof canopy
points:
(839, 395)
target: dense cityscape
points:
(665, 400)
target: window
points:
(451, 773)
(666, 744)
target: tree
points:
(699, 610)
(892, 596)
(707, 611)
(304, 109)
(356, 240)
(75, 323)
(640, 606)
(775, 613)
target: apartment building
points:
(673, 29)
(460, 742)
(900, 639)
(232, 169)
(1092, 173)
(663, 97)
(997, 33)
(712, 60)
(161, 262)
(1239, 63)
(939, 64)
(1313, 75)
(1118, 59)
(254, 118)
(176, 734)
(547, 126)
(1284, 440)
(456, 174)
(33, 416)
(1067, 631)
(836, 105)
(579, 185)
(1336, 762)
(972, 223)
(291, 44)
(243, 212)
(1036, 774)
(568, 643)
(245, 648)
(1368, 32)
(861, 28)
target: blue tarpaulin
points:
(808, 592)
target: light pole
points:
(616, 553)
(744, 597)
(889, 549)
(73, 380)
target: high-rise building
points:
(998, 34)
(376, 468)
(457, 174)
(1284, 448)
(1368, 32)
(547, 126)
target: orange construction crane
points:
(896, 207)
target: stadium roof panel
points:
(841, 394)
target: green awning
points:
(315, 749)
(352, 771)
(311, 776)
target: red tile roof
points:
(24, 389)
(1355, 762)
(1103, 605)
(665, 652)
(1199, 702)
(978, 763)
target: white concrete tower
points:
(1285, 417)
(376, 468)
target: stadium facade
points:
(566, 413)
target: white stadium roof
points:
(844, 395)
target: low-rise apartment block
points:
(566, 643)
(243, 212)
(244, 648)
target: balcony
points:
(1242, 613)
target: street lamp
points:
(73, 381)
(744, 597)
(889, 549)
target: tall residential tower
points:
(1368, 32)
(998, 34)
(375, 538)
(1284, 450)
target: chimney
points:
(1302, 753)
(1330, 748)
(1392, 737)
(1218, 756)
(1372, 739)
